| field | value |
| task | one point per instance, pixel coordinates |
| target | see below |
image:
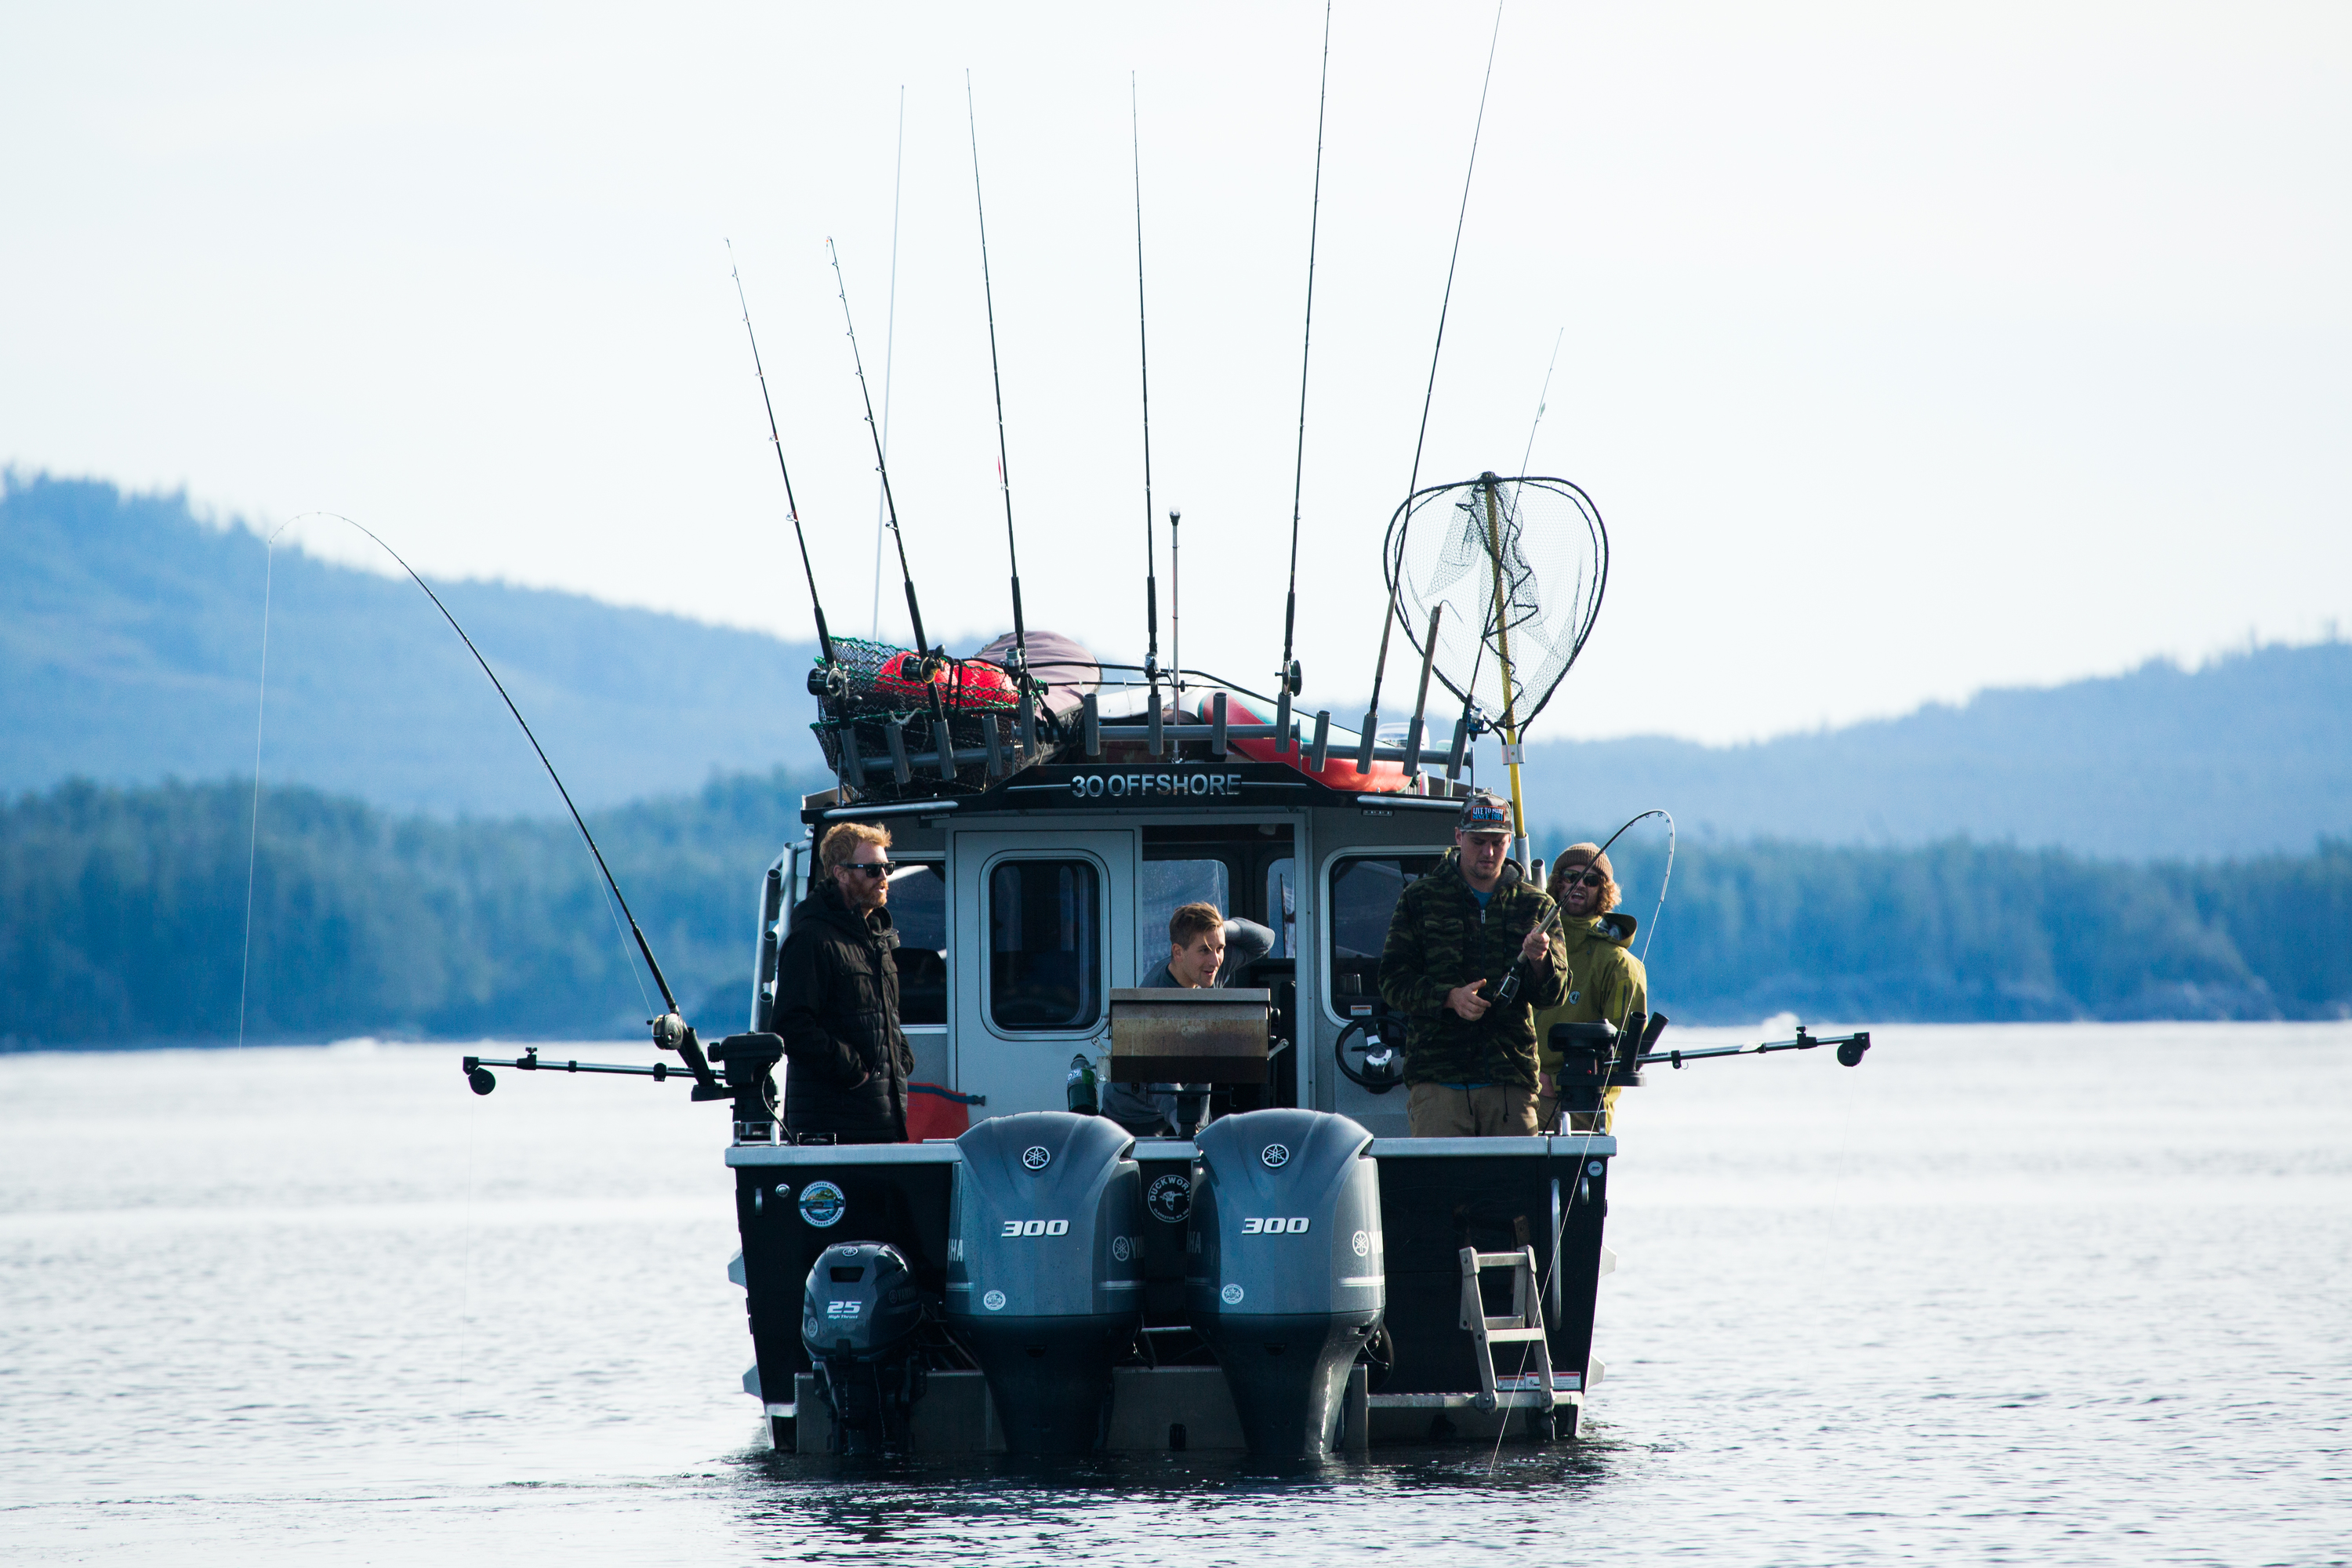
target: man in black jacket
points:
(837, 997)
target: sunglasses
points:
(871, 868)
(1590, 879)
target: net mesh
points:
(1519, 567)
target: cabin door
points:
(1046, 924)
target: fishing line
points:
(1542, 398)
(996, 380)
(645, 949)
(253, 838)
(1143, 358)
(881, 462)
(1388, 621)
(1282, 678)
(1567, 1206)
(792, 508)
(890, 344)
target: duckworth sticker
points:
(1170, 1198)
(822, 1204)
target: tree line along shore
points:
(122, 921)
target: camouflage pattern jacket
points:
(1439, 939)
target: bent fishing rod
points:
(926, 655)
(791, 507)
(1143, 359)
(671, 1031)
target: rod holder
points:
(1413, 746)
(1322, 741)
(895, 733)
(1282, 716)
(996, 748)
(1461, 747)
(942, 741)
(1371, 738)
(1093, 725)
(1217, 738)
(1159, 724)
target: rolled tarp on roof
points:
(1064, 670)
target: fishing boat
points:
(1289, 1273)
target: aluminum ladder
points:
(1529, 1388)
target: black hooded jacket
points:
(837, 1009)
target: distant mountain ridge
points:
(2250, 754)
(131, 651)
(129, 645)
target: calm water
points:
(2031, 1294)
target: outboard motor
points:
(1046, 1271)
(858, 1316)
(1285, 1276)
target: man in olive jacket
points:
(837, 997)
(1470, 1059)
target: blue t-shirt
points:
(1482, 898)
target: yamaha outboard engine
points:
(1046, 1271)
(858, 1316)
(1284, 1279)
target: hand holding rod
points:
(1508, 991)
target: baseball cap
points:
(1485, 813)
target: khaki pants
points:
(1496, 1111)
(1547, 1112)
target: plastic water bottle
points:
(1084, 1100)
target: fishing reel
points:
(828, 682)
(1381, 1048)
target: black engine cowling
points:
(859, 1313)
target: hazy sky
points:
(1906, 350)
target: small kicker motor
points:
(859, 1313)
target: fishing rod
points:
(996, 379)
(1286, 679)
(671, 1031)
(1143, 358)
(791, 507)
(882, 465)
(1543, 399)
(890, 345)
(1388, 622)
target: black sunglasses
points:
(1590, 879)
(871, 868)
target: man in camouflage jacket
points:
(1470, 1060)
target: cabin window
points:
(918, 910)
(1364, 893)
(1044, 945)
(1166, 887)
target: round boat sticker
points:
(1036, 1156)
(1119, 1249)
(1363, 1242)
(822, 1204)
(993, 1300)
(1230, 1295)
(1592, 1169)
(1275, 1155)
(1170, 1198)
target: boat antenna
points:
(1286, 679)
(1379, 668)
(881, 464)
(1542, 398)
(996, 378)
(1143, 357)
(792, 508)
(890, 345)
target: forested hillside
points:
(122, 915)
(131, 652)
